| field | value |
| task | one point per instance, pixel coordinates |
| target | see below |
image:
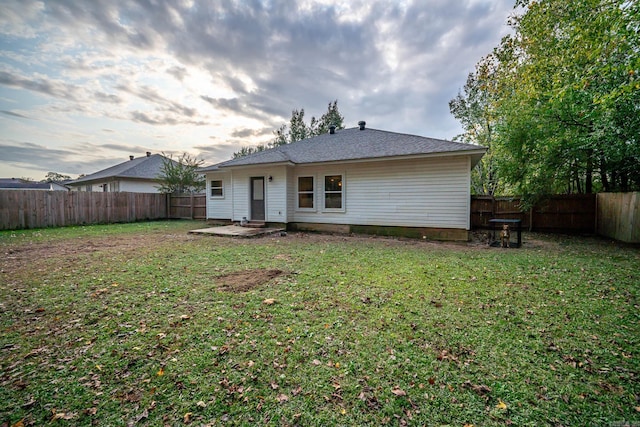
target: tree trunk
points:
(588, 185)
(603, 174)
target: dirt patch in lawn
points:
(243, 281)
(66, 253)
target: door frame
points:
(252, 214)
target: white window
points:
(217, 190)
(333, 192)
(305, 192)
(114, 187)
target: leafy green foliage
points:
(298, 130)
(475, 111)
(136, 327)
(181, 176)
(564, 93)
(55, 177)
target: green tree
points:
(565, 96)
(298, 130)
(474, 109)
(55, 177)
(181, 176)
(332, 117)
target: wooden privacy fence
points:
(188, 206)
(574, 213)
(619, 216)
(38, 209)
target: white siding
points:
(219, 207)
(131, 186)
(239, 194)
(138, 186)
(413, 193)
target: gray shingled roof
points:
(15, 183)
(146, 167)
(352, 144)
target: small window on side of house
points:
(217, 190)
(305, 192)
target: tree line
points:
(558, 101)
(298, 130)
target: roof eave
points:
(223, 168)
(473, 153)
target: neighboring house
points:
(138, 175)
(352, 180)
(21, 184)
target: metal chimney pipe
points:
(362, 124)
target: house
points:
(21, 184)
(357, 180)
(137, 175)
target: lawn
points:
(145, 324)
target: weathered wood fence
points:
(618, 216)
(189, 206)
(38, 209)
(556, 214)
(614, 215)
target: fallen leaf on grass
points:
(398, 391)
(18, 424)
(160, 372)
(62, 415)
(316, 362)
(269, 301)
(187, 417)
(185, 317)
(501, 405)
(481, 389)
(282, 398)
(201, 404)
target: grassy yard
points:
(144, 324)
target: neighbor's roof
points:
(351, 145)
(17, 184)
(145, 167)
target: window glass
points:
(258, 189)
(305, 192)
(216, 188)
(333, 192)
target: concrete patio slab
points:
(237, 231)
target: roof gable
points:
(352, 145)
(147, 167)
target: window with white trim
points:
(333, 192)
(217, 190)
(305, 192)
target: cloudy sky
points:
(84, 84)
